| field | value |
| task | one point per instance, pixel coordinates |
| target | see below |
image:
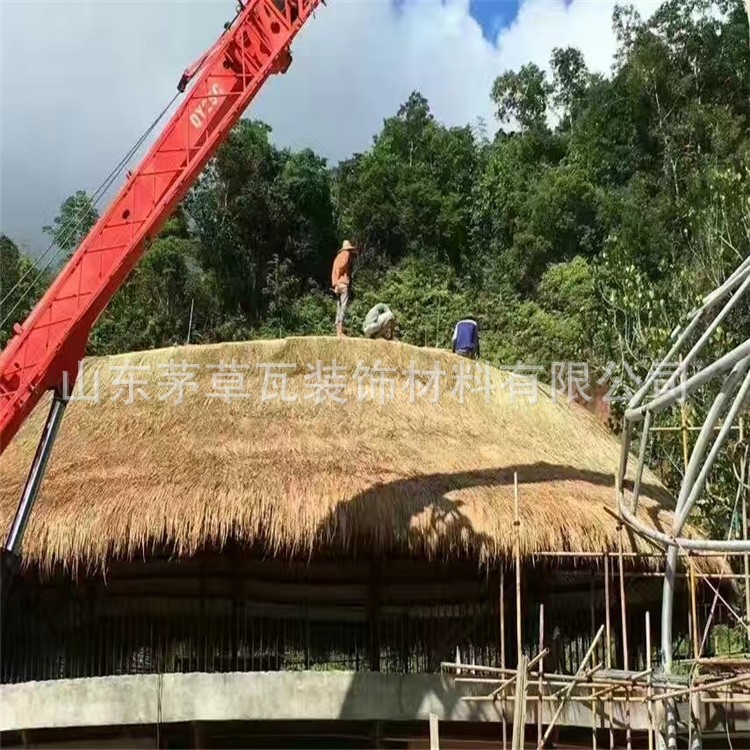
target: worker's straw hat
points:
(347, 246)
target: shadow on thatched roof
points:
(388, 471)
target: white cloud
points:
(81, 79)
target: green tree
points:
(21, 286)
(76, 217)
(522, 96)
(570, 79)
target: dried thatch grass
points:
(429, 479)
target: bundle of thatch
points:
(370, 475)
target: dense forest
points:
(601, 211)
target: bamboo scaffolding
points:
(583, 555)
(578, 677)
(581, 675)
(504, 684)
(600, 677)
(643, 698)
(702, 687)
(601, 687)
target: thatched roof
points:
(360, 477)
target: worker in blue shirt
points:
(466, 338)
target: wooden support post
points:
(434, 733)
(519, 707)
(198, 739)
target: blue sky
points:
(493, 15)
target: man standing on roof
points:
(466, 338)
(341, 279)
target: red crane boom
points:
(52, 340)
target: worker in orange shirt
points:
(341, 279)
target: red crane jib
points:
(53, 338)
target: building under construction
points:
(320, 543)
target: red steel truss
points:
(53, 338)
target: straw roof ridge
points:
(388, 471)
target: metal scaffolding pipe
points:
(730, 546)
(680, 335)
(696, 462)
(641, 460)
(663, 400)
(721, 439)
(715, 323)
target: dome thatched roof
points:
(433, 479)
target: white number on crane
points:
(203, 109)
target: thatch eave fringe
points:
(299, 478)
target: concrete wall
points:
(146, 699)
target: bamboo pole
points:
(608, 643)
(596, 677)
(694, 610)
(703, 687)
(593, 724)
(745, 557)
(624, 618)
(730, 608)
(517, 545)
(592, 594)
(502, 652)
(638, 700)
(626, 684)
(434, 733)
(623, 606)
(650, 690)
(587, 675)
(505, 683)
(687, 429)
(519, 706)
(583, 555)
(541, 673)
